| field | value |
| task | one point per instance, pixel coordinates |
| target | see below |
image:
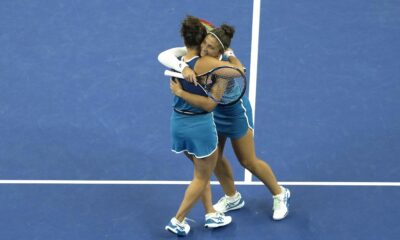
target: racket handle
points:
(173, 74)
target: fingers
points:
(195, 81)
(189, 75)
(174, 85)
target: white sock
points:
(210, 214)
(282, 192)
(230, 198)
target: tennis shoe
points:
(217, 219)
(179, 228)
(281, 204)
(226, 203)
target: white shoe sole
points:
(215, 225)
(231, 209)
(176, 233)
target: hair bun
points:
(229, 30)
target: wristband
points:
(229, 53)
(182, 65)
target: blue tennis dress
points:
(233, 121)
(192, 129)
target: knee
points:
(221, 165)
(201, 183)
(202, 177)
(249, 164)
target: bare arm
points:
(206, 63)
(195, 100)
(233, 59)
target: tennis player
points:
(194, 132)
(234, 122)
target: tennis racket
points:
(224, 85)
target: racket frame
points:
(179, 75)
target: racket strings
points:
(224, 87)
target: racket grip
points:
(173, 74)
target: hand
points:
(176, 87)
(229, 53)
(189, 75)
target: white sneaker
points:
(179, 228)
(217, 219)
(281, 204)
(226, 203)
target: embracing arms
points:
(169, 58)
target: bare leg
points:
(206, 197)
(223, 170)
(245, 152)
(203, 169)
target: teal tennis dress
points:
(233, 121)
(192, 129)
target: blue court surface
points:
(85, 110)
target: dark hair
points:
(225, 34)
(193, 31)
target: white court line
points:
(253, 67)
(144, 182)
